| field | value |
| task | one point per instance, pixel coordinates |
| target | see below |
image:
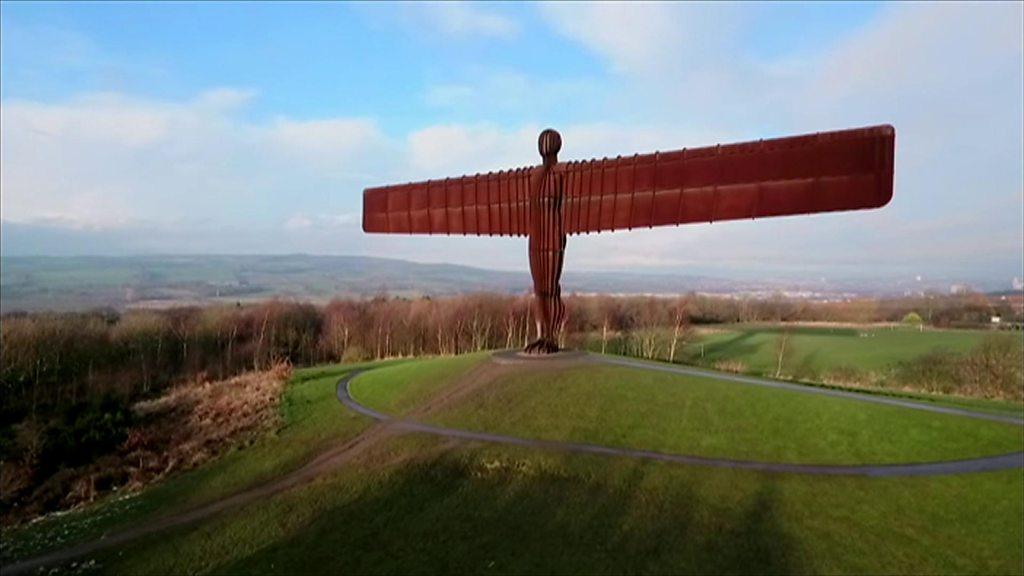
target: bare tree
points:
(783, 350)
(681, 325)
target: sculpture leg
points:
(546, 267)
(550, 314)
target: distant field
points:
(813, 351)
(35, 283)
(412, 503)
(83, 282)
(823, 348)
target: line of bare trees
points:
(49, 361)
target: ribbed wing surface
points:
(492, 204)
(824, 172)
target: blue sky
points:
(252, 128)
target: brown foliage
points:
(194, 422)
(734, 366)
(188, 425)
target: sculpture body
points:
(822, 172)
(547, 245)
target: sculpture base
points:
(521, 357)
(542, 346)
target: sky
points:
(252, 128)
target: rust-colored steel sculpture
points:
(823, 172)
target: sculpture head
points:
(549, 143)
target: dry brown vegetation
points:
(190, 424)
(734, 366)
(194, 422)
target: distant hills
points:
(34, 283)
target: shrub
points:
(992, 370)
(84, 432)
(847, 376)
(731, 366)
(912, 318)
(935, 371)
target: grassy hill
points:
(621, 406)
(416, 503)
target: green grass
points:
(497, 510)
(311, 424)
(621, 406)
(819, 349)
(816, 349)
(418, 381)
(417, 504)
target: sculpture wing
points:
(493, 204)
(823, 172)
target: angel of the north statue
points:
(823, 172)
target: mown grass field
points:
(813, 347)
(814, 353)
(819, 349)
(413, 503)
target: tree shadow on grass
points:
(806, 370)
(808, 331)
(756, 543)
(472, 514)
(739, 346)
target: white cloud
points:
(104, 161)
(225, 98)
(645, 37)
(450, 150)
(298, 222)
(672, 62)
(302, 222)
(465, 19)
(490, 93)
(341, 148)
(344, 219)
(105, 117)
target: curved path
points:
(983, 464)
(341, 454)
